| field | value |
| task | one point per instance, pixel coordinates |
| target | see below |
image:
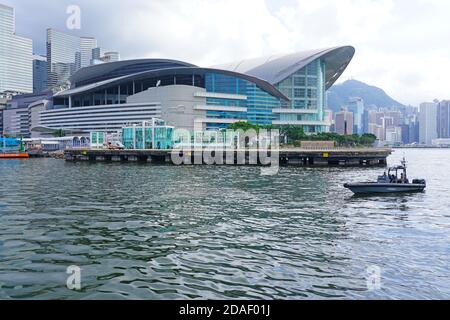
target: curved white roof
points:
(110, 70)
(277, 68)
(264, 85)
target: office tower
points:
(98, 53)
(406, 133)
(344, 122)
(39, 73)
(443, 121)
(87, 44)
(66, 54)
(63, 57)
(16, 64)
(428, 123)
(369, 117)
(356, 106)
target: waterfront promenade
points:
(291, 156)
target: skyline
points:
(387, 42)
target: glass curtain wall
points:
(138, 137)
(259, 104)
(306, 90)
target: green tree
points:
(243, 125)
(59, 133)
(292, 133)
(367, 139)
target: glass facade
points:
(16, 62)
(248, 95)
(87, 44)
(356, 106)
(66, 54)
(254, 104)
(306, 90)
(228, 98)
(63, 56)
(141, 137)
(39, 74)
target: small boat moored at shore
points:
(389, 183)
(14, 155)
(11, 148)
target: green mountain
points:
(338, 95)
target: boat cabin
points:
(395, 174)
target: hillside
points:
(338, 95)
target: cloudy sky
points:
(402, 46)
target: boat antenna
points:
(404, 161)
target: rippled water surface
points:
(165, 232)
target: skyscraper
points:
(344, 122)
(443, 121)
(16, 64)
(410, 129)
(87, 44)
(428, 123)
(98, 53)
(356, 106)
(66, 54)
(39, 73)
(63, 57)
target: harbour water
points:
(140, 231)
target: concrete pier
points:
(287, 157)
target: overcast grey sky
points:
(402, 46)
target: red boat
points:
(14, 155)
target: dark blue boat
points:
(391, 182)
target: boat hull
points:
(13, 155)
(365, 188)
